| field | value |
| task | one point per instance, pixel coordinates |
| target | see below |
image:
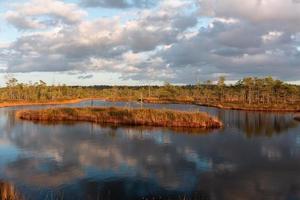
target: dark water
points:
(256, 156)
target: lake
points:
(255, 156)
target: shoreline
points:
(124, 116)
(220, 106)
(254, 109)
(49, 103)
(153, 101)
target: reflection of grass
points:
(124, 116)
(9, 192)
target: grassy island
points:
(124, 116)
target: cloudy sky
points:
(148, 41)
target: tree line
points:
(247, 91)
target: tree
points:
(169, 91)
(221, 85)
(11, 83)
(248, 83)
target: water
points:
(255, 156)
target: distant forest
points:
(249, 91)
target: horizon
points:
(213, 82)
(148, 42)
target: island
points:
(124, 116)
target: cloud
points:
(276, 13)
(180, 41)
(89, 76)
(37, 14)
(103, 44)
(236, 43)
(236, 50)
(118, 3)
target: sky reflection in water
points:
(256, 156)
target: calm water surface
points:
(256, 156)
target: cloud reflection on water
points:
(140, 162)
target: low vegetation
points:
(9, 192)
(124, 116)
(250, 93)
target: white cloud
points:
(37, 14)
(272, 36)
(105, 44)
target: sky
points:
(134, 42)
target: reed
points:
(124, 116)
(9, 192)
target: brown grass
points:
(231, 106)
(124, 116)
(37, 103)
(9, 192)
(253, 107)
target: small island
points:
(124, 116)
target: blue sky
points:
(7, 33)
(95, 42)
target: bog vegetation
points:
(9, 192)
(249, 93)
(124, 116)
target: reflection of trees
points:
(9, 192)
(257, 123)
(8, 119)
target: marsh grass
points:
(9, 192)
(124, 116)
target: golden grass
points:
(50, 102)
(230, 106)
(9, 192)
(124, 116)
